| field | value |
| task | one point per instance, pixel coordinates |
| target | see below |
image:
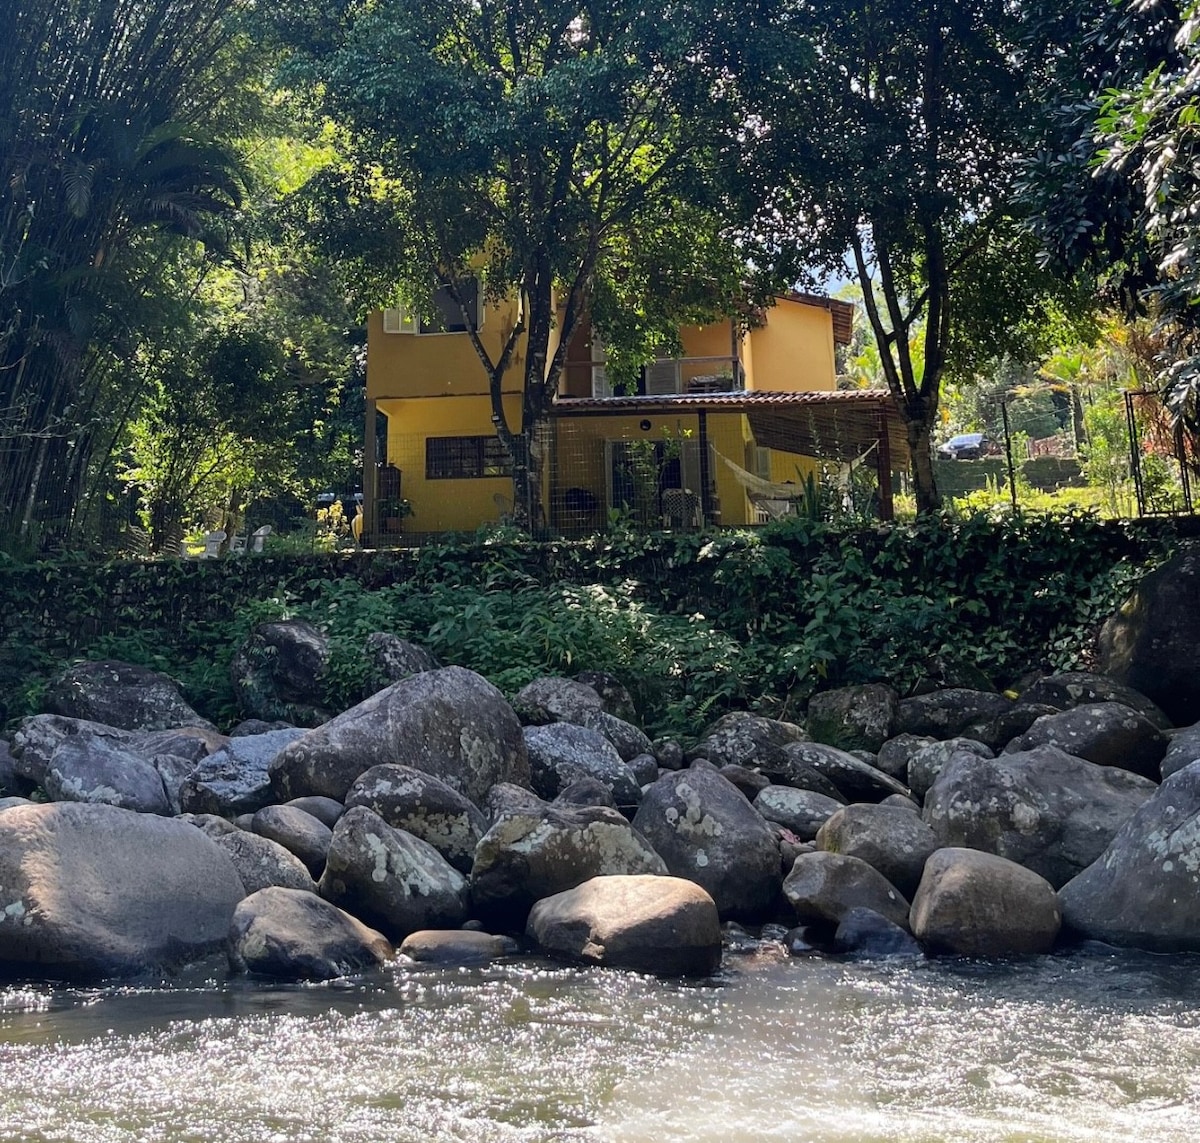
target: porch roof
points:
(839, 425)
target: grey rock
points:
(39, 736)
(394, 659)
(891, 839)
(1183, 750)
(99, 771)
(747, 740)
(194, 743)
(947, 713)
(535, 853)
(1143, 891)
(626, 738)
(823, 888)
(803, 812)
(249, 726)
(390, 879)
(978, 904)
(325, 810)
(12, 802)
(586, 792)
(644, 768)
(1014, 722)
(422, 805)
(450, 723)
(261, 862)
(549, 700)
(505, 799)
(668, 754)
(927, 762)
(901, 801)
(1106, 733)
(663, 925)
(563, 752)
(456, 947)
(297, 832)
(173, 770)
(855, 780)
(122, 695)
(852, 718)
(613, 693)
(93, 891)
(750, 782)
(9, 778)
(1046, 810)
(278, 673)
(291, 934)
(212, 825)
(865, 933)
(1080, 688)
(707, 832)
(236, 779)
(894, 754)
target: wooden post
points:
(883, 467)
(370, 478)
(705, 495)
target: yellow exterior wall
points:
(793, 351)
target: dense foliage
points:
(695, 625)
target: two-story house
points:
(727, 433)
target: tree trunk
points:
(920, 447)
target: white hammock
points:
(760, 489)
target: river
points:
(1092, 1046)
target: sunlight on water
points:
(1082, 1048)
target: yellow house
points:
(727, 433)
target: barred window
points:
(465, 458)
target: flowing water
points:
(1087, 1047)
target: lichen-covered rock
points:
(261, 862)
(626, 738)
(1184, 749)
(586, 792)
(854, 780)
(977, 904)
(746, 739)
(537, 851)
(947, 713)
(92, 891)
(1046, 810)
(892, 757)
(195, 743)
(278, 673)
(235, 779)
(549, 700)
(10, 780)
(706, 831)
(451, 723)
(39, 736)
(1107, 733)
(823, 887)
(927, 762)
(292, 934)
(644, 768)
(1012, 723)
(750, 782)
(101, 771)
(297, 832)
(422, 805)
(803, 812)
(889, 838)
(390, 879)
(393, 659)
(505, 799)
(1143, 891)
(1080, 688)
(456, 947)
(852, 718)
(613, 693)
(663, 925)
(122, 695)
(563, 752)
(325, 810)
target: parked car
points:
(965, 446)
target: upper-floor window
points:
(447, 314)
(465, 458)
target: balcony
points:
(665, 376)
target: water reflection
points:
(1092, 1046)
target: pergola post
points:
(883, 468)
(370, 477)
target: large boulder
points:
(10, 780)
(290, 934)
(854, 779)
(891, 839)
(99, 770)
(123, 695)
(978, 904)
(663, 925)
(628, 740)
(298, 832)
(613, 693)
(1042, 808)
(1150, 643)
(1144, 889)
(535, 850)
(823, 887)
(91, 891)
(1106, 733)
(422, 805)
(892, 757)
(1080, 688)
(1012, 723)
(390, 879)
(928, 761)
(803, 812)
(394, 659)
(745, 739)
(451, 723)
(562, 753)
(852, 718)
(1184, 749)
(236, 779)
(39, 736)
(261, 862)
(706, 831)
(278, 673)
(549, 700)
(946, 713)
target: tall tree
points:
(893, 139)
(548, 143)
